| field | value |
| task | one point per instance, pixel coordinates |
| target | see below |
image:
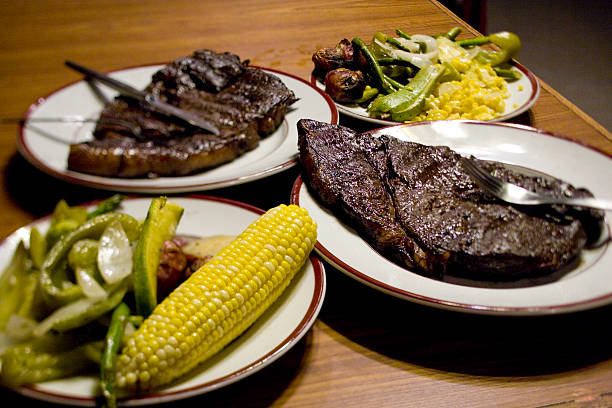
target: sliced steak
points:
(131, 140)
(443, 220)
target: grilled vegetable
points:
(344, 85)
(509, 46)
(159, 226)
(46, 358)
(108, 205)
(58, 289)
(112, 345)
(13, 282)
(219, 301)
(375, 69)
(408, 101)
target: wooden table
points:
(366, 349)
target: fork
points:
(512, 193)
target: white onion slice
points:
(430, 42)
(90, 286)
(115, 256)
(409, 44)
(418, 60)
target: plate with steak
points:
(397, 212)
(92, 136)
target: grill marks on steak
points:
(430, 213)
(131, 140)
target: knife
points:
(132, 92)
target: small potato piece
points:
(207, 246)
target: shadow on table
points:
(37, 192)
(464, 343)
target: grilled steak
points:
(417, 206)
(131, 140)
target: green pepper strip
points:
(106, 206)
(114, 337)
(61, 293)
(509, 75)
(393, 82)
(12, 281)
(402, 34)
(453, 33)
(377, 73)
(509, 46)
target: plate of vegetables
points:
(140, 301)
(412, 78)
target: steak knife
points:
(132, 92)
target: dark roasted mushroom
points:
(344, 85)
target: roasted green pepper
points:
(408, 102)
(509, 46)
(375, 70)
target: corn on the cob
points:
(218, 302)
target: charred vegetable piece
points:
(375, 70)
(344, 85)
(219, 301)
(327, 59)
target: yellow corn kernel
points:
(219, 301)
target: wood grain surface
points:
(367, 349)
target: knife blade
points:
(142, 96)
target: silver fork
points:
(518, 195)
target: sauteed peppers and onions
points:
(394, 75)
(102, 290)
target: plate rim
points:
(533, 97)
(300, 330)
(446, 304)
(115, 184)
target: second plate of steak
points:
(132, 141)
(451, 225)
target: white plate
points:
(523, 94)
(587, 285)
(46, 145)
(272, 335)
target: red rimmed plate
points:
(523, 94)
(46, 145)
(585, 286)
(276, 332)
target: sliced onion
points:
(418, 60)
(115, 256)
(90, 286)
(409, 44)
(430, 42)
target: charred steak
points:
(417, 206)
(131, 140)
